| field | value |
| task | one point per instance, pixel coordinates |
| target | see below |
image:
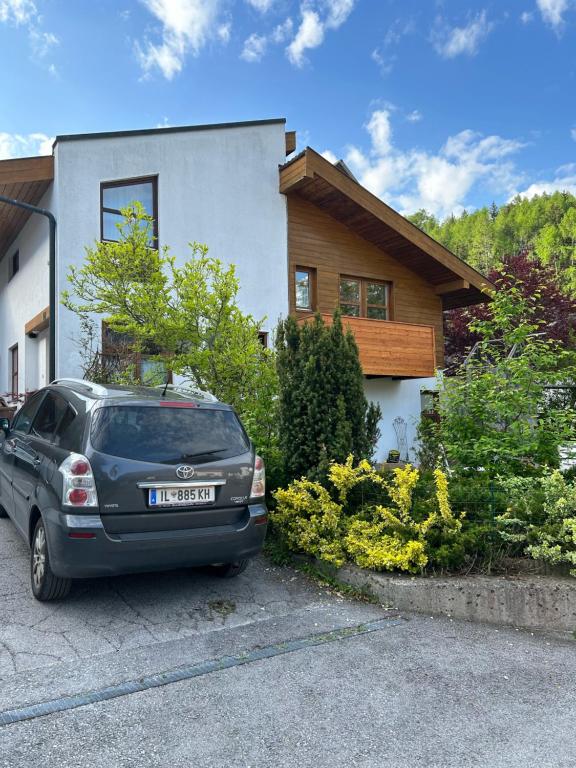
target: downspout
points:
(52, 278)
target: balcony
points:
(388, 348)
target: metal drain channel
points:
(64, 703)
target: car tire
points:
(230, 570)
(45, 584)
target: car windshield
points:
(167, 435)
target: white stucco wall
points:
(218, 187)
(397, 399)
(23, 297)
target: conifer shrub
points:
(323, 413)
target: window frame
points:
(363, 305)
(127, 183)
(109, 350)
(311, 271)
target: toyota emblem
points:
(185, 472)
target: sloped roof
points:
(339, 194)
(25, 179)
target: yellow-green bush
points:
(382, 537)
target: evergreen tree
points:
(324, 414)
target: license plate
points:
(181, 496)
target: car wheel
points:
(45, 585)
(229, 570)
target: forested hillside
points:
(544, 225)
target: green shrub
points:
(382, 536)
(541, 518)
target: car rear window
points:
(167, 435)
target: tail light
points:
(79, 487)
(259, 479)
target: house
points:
(304, 234)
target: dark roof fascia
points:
(171, 129)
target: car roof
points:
(117, 394)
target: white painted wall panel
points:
(397, 399)
(23, 297)
(219, 187)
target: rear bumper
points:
(112, 554)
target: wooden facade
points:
(337, 229)
(408, 344)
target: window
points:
(360, 297)
(167, 435)
(14, 371)
(24, 417)
(53, 418)
(115, 195)
(304, 286)
(14, 264)
(263, 338)
(119, 356)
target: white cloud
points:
(254, 48)
(440, 182)
(450, 42)
(24, 13)
(316, 18)
(526, 17)
(261, 5)
(282, 32)
(18, 11)
(414, 117)
(330, 156)
(573, 133)
(560, 183)
(24, 145)
(187, 26)
(553, 12)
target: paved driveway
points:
(183, 669)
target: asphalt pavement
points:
(185, 669)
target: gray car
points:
(102, 481)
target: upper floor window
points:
(14, 264)
(361, 297)
(115, 195)
(304, 286)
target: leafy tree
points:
(544, 224)
(189, 312)
(324, 415)
(496, 413)
(554, 311)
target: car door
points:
(16, 457)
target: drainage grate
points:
(64, 703)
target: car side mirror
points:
(5, 425)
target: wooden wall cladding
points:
(318, 241)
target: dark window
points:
(52, 412)
(360, 297)
(119, 356)
(14, 371)
(263, 338)
(168, 435)
(25, 416)
(115, 195)
(14, 264)
(304, 287)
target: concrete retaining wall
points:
(535, 602)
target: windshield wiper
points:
(186, 456)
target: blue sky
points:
(442, 104)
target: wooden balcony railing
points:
(388, 348)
